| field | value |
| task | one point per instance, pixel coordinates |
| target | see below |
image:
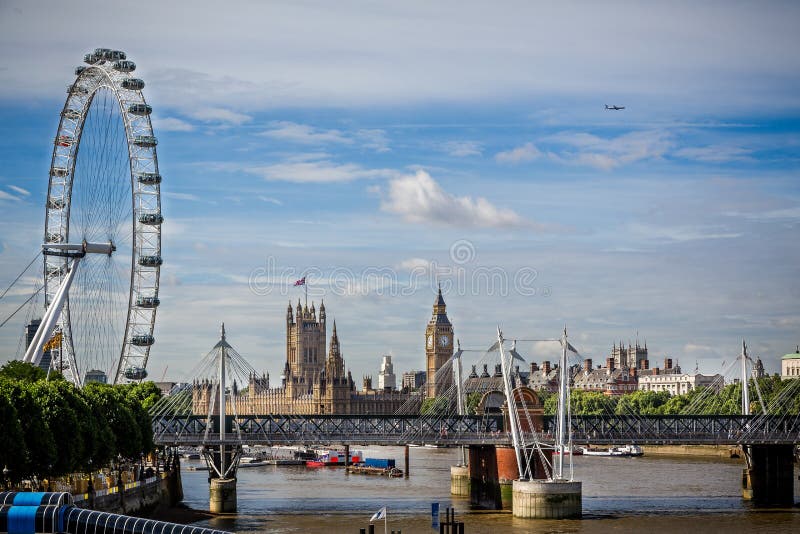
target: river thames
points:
(657, 494)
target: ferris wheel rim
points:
(109, 71)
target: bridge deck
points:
(474, 430)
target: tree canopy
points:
(50, 427)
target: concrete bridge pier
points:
(484, 481)
(769, 481)
(459, 480)
(222, 496)
(547, 499)
(222, 489)
(492, 471)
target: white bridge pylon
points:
(528, 444)
(76, 251)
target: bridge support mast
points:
(459, 474)
(768, 478)
(559, 497)
(223, 461)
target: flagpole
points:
(385, 520)
(305, 286)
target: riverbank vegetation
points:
(51, 428)
(780, 397)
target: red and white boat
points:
(334, 458)
(576, 451)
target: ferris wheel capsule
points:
(147, 141)
(140, 109)
(134, 84)
(125, 66)
(151, 218)
(149, 178)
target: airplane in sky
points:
(614, 108)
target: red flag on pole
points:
(301, 282)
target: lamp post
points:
(90, 488)
(49, 477)
(6, 481)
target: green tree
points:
(65, 415)
(19, 370)
(583, 402)
(13, 451)
(105, 405)
(592, 403)
(38, 442)
(145, 393)
(434, 406)
(642, 403)
(473, 400)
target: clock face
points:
(430, 341)
(444, 340)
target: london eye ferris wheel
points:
(102, 235)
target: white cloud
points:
(374, 139)
(272, 60)
(526, 152)
(271, 200)
(21, 191)
(317, 171)
(768, 215)
(7, 196)
(181, 196)
(304, 134)
(171, 124)
(413, 264)
(715, 153)
(608, 153)
(680, 234)
(221, 115)
(418, 198)
(462, 148)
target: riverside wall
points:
(163, 490)
(706, 451)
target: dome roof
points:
(792, 355)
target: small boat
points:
(376, 466)
(196, 468)
(334, 458)
(252, 461)
(625, 450)
(576, 451)
(360, 469)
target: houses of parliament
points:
(314, 379)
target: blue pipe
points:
(54, 513)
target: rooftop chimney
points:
(610, 364)
(644, 364)
(667, 363)
(534, 367)
(546, 366)
(587, 365)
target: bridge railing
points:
(686, 429)
(308, 429)
(400, 430)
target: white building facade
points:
(678, 384)
(386, 378)
(790, 365)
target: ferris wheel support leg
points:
(34, 353)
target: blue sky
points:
(377, 146)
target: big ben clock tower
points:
(438, 347)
